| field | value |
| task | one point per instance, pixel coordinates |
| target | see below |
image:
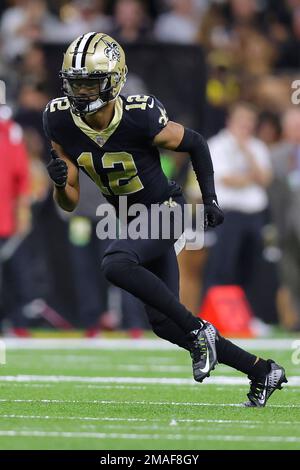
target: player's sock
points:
(232, 355)
(227, 352)
(260, 368)
(124, 272)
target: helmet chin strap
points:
(90, 108)
(97, 104)
(94, 106)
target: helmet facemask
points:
(88, 94)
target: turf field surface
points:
(138, 394)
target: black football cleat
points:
(203, 350)
(262, 388)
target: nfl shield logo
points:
(99, 140)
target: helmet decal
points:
(112, 51)
(76, 51)
(98, 58)
(81, 49)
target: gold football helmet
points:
(93, 72)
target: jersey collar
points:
(100, 137)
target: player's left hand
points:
(213, 215)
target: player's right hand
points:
(58, 170)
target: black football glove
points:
(213, 215)
(58, 170)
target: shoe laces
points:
(199, 349)
(257, 386)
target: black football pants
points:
(148, 269)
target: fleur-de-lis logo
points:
(170, 202)
(112, 51)
(163, 116)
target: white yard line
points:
(181, 437)
(173, 422)
(75, 418)
(85, 386)
(133, 402)
(133, 344)
(294, 381)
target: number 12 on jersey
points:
(121, 182)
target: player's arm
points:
(65, 176)
(175, 137)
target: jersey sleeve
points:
(46, 124)
(146, 114)
(53, 119)
(157, 117)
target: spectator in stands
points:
(78, 17)
(289, 55)
(255, 51)
(285, 205)
(100, 306)
(238, 32)
(86, 251)
(32, 67)
(212, 33)
(26, 22)
(242, 173)
(180, 24)
(132, 24)
(243, 13)
(15, 218)
(32, 99)
(192, 262)
(223, 88)
(269, 129)
(270, 92)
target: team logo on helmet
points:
(112, 51)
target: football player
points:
(114, 139)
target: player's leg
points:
(266, 376)
(166, 268)
(122, 266)
(125, 265)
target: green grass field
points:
(120, 398)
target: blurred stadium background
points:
(199, 57)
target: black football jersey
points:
(121, 159)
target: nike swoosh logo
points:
(152, 104)
(206, 368)
(263, 395)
